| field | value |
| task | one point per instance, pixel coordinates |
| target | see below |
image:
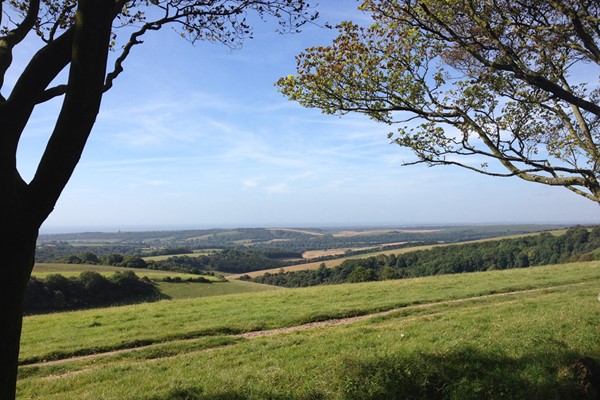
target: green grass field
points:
(183, 290)
(188, 290)
(41, 270)
(498, 335)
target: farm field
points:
(503, 334)
(41, 270)
(335, 262)
(180, 290)
(198, 253)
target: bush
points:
(90, 289)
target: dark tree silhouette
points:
(77, 36)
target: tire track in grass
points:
(307, 326)
(302, 327)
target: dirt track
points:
(312, 325)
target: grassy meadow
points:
(42, 270)
(180, 290)
(502, 335)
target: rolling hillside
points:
(502, 334)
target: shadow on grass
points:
(196, 393)
(466, 373)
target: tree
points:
(77, 36)
(514, 83)
(131, 261)
(361, 274)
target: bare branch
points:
(16, 35)
(133, 40)
(51, 93)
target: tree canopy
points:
(80, 36)
(501, 87)
(77, 40)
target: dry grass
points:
(298, 230)
(382, 231)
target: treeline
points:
(58, 251)
(577, 243)
(168, 251)
(228, 260)
(261, 238)
(90, 289)
(327, 240)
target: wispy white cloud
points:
(251, 182)
(278, 188)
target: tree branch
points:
(44, 66)
(133, 40)
(15, 36)
(80, 107)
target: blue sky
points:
(198, 136)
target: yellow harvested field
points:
(297, 230)
(382, 231)
(307, 255)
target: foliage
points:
(501, 81)
(577, 243)
(229, 260)
(90, 289)
(165, 251)
(288, 243)
(57, 251)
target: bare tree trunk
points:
(24, 207)
(18, 249)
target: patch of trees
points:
(229, 260)
(178, 279)
(444, 235)
(260, 239)
(90, 289)
(113, 259)
(59, 251)
(576, 244)
(168, 251)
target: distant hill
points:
(293, 239)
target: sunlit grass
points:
(41, 270)
(88, 331)
(188, 290)
(445, 339)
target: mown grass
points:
(189, 290)
(41, 270)
(517, 346)
(89, 331)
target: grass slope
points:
(190, 290)
(184, 290)
(516, 346)
(41, 270)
